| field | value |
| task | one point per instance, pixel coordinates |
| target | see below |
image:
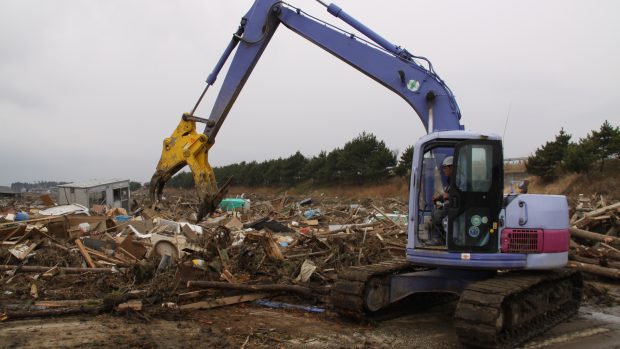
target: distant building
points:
(7, 192)
(111, 192)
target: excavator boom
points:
(388, 64)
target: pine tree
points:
(546, 158)
(605, 142)
(365, 159)
(579, 157)
(403, 168)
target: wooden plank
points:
(596, 270)
(307, 254)
(602, 210)
(125, 252)
(134, 304)
(84, 253)
(389, 220)
(135, 249)
(75, 220)
(271, 248)
(68, 303)
(220, 302)
(99, 255)
(17, 231)
(192, 294)
(31, 220)
(250, 288)
(42, 269)
(22, 314)
(584, 234)
(47, 200)
(598, 212)
(23, 250)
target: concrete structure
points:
(113, 192)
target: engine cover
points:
(536, 211)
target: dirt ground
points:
(253, 326)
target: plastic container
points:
(122, 218)
(234, 204)
(84, 227)
(21, 216)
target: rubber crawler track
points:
(507, 310)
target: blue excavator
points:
(504, 256)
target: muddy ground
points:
(253, 326)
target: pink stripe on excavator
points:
(519, 240)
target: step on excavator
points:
(503, 256)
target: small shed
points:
(7, 192)
(112, 192)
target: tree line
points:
(364, 159)
(582, 156)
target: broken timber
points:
(595, 269)
(250, 288)
(219, 302)
(22, 314)
(72, 270)
(84, 253)
(584, 234)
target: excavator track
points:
(507, 310)
(356, 285)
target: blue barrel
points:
(21, 216)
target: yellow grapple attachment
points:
(187, 147)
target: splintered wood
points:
(594, 249)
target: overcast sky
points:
(89, 89)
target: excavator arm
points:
(388, 64)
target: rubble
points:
(73, 259)
(594, 245)
(282, 250)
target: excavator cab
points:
(476, 196)
(458, 189)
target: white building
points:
(112, 192)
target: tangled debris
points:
(155, 259)
(284, 248)
(594, 245)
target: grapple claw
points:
(186, 147)
(210, 202)
(156, 187)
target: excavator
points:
(503, 256)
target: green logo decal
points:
(413, 85)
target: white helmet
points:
(447, 161)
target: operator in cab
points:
(441, 204)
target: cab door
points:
(476, 193)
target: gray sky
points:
(89, 89)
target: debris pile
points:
(70, 259)
(283, 251)
(595, 241)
